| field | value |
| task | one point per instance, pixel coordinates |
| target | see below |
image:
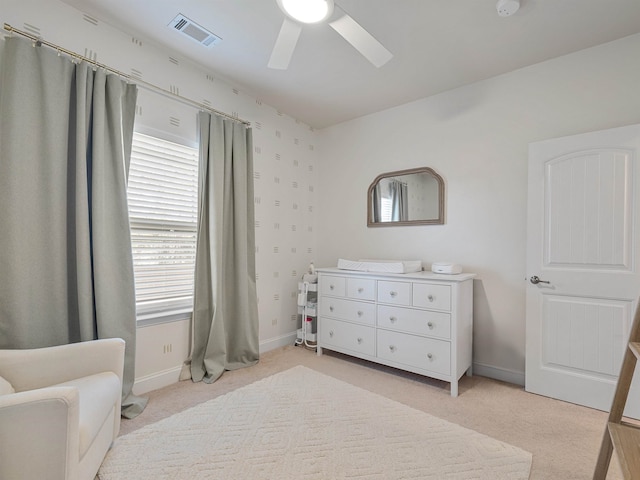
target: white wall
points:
(285, 158)
(477, 138)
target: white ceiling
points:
(437, 45)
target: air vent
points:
(194, 31)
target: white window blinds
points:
(163, 211)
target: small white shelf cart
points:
(307, 309)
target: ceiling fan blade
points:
(285, 44)
(362, 40)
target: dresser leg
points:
(470, 371)
(319, 350)
(454, 389)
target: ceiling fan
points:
(299, 12)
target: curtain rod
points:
(141, 83)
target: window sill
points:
(156, 318)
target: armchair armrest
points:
(31, 369)
(43, 421)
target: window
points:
(385, 209)
(163, 212)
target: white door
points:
(583, 246)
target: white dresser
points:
(420, 322)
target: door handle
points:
(536, 280)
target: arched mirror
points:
(406, 197)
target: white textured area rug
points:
(301, 424)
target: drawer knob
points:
(392, 348)
(331, 308)
(359, 313)
(392, 319)
(429, 356)
(331, 287)
(393, 294)
(360, 290)
(430, 297)
(430, 324)
(331, 333)
(359, 340)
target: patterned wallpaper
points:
(285, 154)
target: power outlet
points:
(167, 348)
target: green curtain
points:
(65, 249)
(225, 314)
(399, 201)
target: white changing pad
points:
(381, 266)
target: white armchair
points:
(65, 411)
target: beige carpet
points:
(563, 438)
(303, 424)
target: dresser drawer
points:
(419, 352)
(422, 322)
(336, 286)
(428, 295)
(361, 288)
(351, 310)
(397, 293)
(357, 338)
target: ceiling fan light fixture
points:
(307, 11)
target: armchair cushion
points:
(5, 387)
(98, 394)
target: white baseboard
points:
(156, 380)
(497, 373)
(170, 376)
(277, 342)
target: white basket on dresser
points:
(420, 322)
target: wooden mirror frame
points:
(431, 221)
